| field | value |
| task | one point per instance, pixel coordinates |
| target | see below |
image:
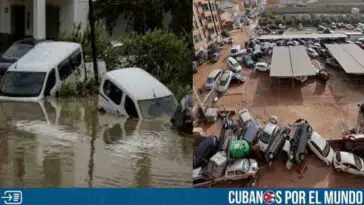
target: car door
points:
(111, 96)
(51, 88)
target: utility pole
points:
(92, 36)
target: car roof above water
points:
(45, 56)
(139, 83)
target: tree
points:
(146, 15)
(164, 55)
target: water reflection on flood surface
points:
(67, 143)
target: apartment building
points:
(206, 25)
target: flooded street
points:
(67, 143)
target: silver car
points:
(224, 81)
(241, 169)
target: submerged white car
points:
(349, 162)
(261, 66)
(321, 148)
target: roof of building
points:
(349, 56)
(45, 56)
(302, 36)
(139, 83)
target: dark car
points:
(298, 143)
(277, 143)
(16, 51)
(354, 142)
(205, 150)
(332, 62)
(238, 78)
(214, 57)
(358, 43)
(252, 132)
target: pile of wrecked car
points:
(247, 145)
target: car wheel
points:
(309, 129)
(270, 156)
(302, 157)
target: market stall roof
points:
(291, 61)
(281, 63)
(303, 36)
(349, 56)
(301, 62)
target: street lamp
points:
(92, 36)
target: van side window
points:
(217, 76)
(130, 107)
(113, 92)
(51, 82)
(66, 68)
(76, 59)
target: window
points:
(195, 39)
(113, 92)
(22, 84)
(130, 107)
(358, 163)
(16, 51)
(158, 107)
(66, 68)
(317, 148)
(50, 83)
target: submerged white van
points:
(42, 71)
(133, 92)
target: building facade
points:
(206, 25)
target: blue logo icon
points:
(13, 197)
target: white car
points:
(349, 162)
(312, 53)
(270, 129)
(261, 66)
(233, 65)
(241, 169)
(224, 81)
(321, 148)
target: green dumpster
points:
(239, 148)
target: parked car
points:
(359, 30)
(241, 169)
(312, 53)
(42, 71)
(207, 148)
(245, 118)
(233, 65)
(349, 162)
(321, 73)
(354, 142)
(261, 66)
(321, 148)
(349, 26)
(358, 43)
(215, 57)
(213, 78)
(230, 40)
(276, 145)
(224, 81)
(298, 144)
(235, 50)
(121, 94)
(238, 78)
(333, 25)
(252, 132)
(269, 131)
(15, 52)
(332, 62)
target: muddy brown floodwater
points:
(67, 143)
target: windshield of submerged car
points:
(16, 51)
(22, 84)
(158, 107)
(358, 162)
